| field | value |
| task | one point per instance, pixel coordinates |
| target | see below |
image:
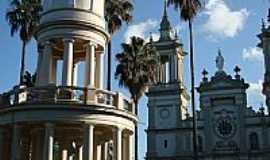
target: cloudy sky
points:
(231, 25)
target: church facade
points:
(227, 128)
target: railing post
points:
(119, 101)
(85, 95)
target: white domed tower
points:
(56, 119)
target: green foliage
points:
(116, 12)
(23, 16)
(188, 9)
(137, 65)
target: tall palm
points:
(23, 17)
(188, 9)
(136, 69)
(116, 12)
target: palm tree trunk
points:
(136, 132)
(22, 62)
(194, 129)
(109, 74)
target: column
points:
(180, 69)
(48, 142)
(90, 65)
(105, 151)
(167, 72)
(119, 143)
(80, 152)
(126, 148)
(39, 63)
(131, 147)
(75, 74)
(53, 71)
(162, 73)
(99, 70)
(173, 68)
(2, 132)
(25, 144)
(98, 152)
(68, 62)
(88, 149)
(15, 146)
(46, 64)
(64, 154)
(36, 144)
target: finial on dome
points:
(237, 70)
(151, 37)
(175, 34)
(205, 73)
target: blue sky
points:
(231, 25)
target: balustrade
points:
(67, 95)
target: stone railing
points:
(66, 95)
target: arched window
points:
(254, 141)
(165, 143)
(200, 144)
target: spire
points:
(165, 26)
(165, 9)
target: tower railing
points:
(66, 95)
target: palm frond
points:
(116, 12)
(136, 67)
(188, 9)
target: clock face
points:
(225, 127)
(164, 113)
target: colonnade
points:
(47, 65)
(47, 144)
(170, 69)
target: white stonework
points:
(68, 122)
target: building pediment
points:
(222, 81)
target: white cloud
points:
(223, 22)
(142, 30)
(255, 96)
(252, 54)
(255, 88)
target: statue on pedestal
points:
(220, 62)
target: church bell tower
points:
(265, 45)
(168, 99)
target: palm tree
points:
(23, 17)
(188, 9)
(136, 69)
(116, 12)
